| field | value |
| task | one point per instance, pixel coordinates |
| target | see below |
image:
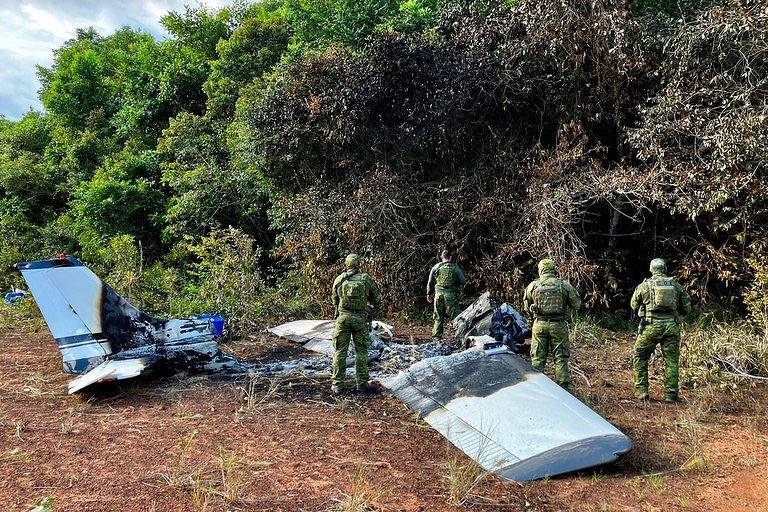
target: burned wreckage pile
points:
(477, 392)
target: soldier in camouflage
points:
(443, 285)
(548, 299)
(353, 293)
(658, 301)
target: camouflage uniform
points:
(548, 298)
(352, 292)
(444, 281)
(658, 301)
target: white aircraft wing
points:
(510, 418)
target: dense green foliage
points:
(233, 164)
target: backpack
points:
(353, 294)
(548, 298)
(444, 277)
(663, 296)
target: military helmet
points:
(352, 261)
(658, 265)
(547, 265)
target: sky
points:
(31, 29)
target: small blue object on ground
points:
(216, 323)
(14, 297)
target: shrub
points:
(225, 278)
(756, 295)
(715, 354)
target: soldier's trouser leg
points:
(670, 349)
(540, 344)
(438, 315)
(451, 306)
(362, 338)
(561, 352)
(644, 347)
(341, 337)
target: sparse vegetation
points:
(254, 396)
(44, 505)
(362, 495)
(181, 473)
(725, 355)
(19, 427)
(463, 476)
(17, 455)
(234, 478)
(200, 492)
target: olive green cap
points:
(352, 261)
(658, 265)
(547, 265)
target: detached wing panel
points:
(510, 418)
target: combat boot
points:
(369, 388)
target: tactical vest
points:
(548, 298)
(353, 294)
(662, 297)
(444, 277)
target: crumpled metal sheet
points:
(317, 336)
(114, 369)
(485, 318)
(510, 418)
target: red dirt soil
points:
(299, 449)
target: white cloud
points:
(42, 20)
(32, 29)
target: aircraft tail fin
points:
(88, 319)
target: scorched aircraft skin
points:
(102, 337)
(490, 402)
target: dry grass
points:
(584, 332)
(17, 455)
(231, 485)
(234, 477)
(362, 495)
(251, 395)
(725, 354)
(200, 492)
(697, 461)
(180, 474)
(19, 426)
(464, 474)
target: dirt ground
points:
(193, 443)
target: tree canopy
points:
(601, 134)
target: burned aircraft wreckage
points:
(102, 337)
(478, 393)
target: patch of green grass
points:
(24, 316)
(44, 505)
